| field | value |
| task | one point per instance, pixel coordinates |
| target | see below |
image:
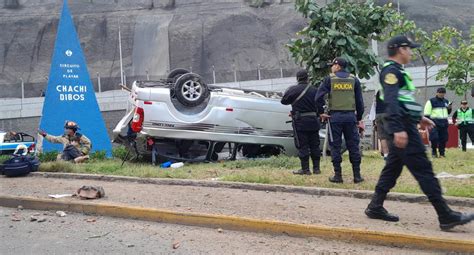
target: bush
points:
(4, 158)
(48, 156)
(120, 152)
(57, 166)
(98, 155)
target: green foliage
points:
(120, 152)
(342, 28)
(98, 155)
(4, 158)
(273, 162)
(57, 166)
(433, 45)
(459, 58)
(48, 156)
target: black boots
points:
(357, 177)
(337, 178)
(315, 159)
(375, 209)
(449, 218)
(304, 167)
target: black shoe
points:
(358, 179)
(316, 171)
(336, 179)
(302, 172)
(455, 219)
(381, 214)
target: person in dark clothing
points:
(438, 110)
(463, 118)
(346, 107)
(305, 122)
(405, 145)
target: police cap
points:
(342, 62)
(463, 102)
(441, 90)
(401, 41)
(302, 75)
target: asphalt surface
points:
(88, 234)
(417, 219)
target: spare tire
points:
(176, 73)
(191, 90)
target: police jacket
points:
(304, 106)
(347, 115)
(437, 110)
(395, 81)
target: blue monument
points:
(70, 94)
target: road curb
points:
(361, 194)
(240, 223)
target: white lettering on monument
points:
(71, 92)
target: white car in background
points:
(9, 144)
(183, 118)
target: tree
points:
(460, 65)
(432, 45)
(341, 28)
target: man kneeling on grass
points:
(76, 145)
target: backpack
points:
(19, 165)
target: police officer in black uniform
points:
(405, 146)
(346, 107)
(305, 122)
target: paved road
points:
(419, 219)
(73, 234)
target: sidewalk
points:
(334, 211)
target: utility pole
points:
(120, 54)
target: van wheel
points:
(191, 90)
(176, 73)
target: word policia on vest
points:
(343, 86)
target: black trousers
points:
(70, 153)
(438, 139)
(308, 144)
(465, 130)
(419, 166)
(352, 139)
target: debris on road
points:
(176, 245)
(61, 214)
(220, 230)
(60, 195)
(90, 192)
(459, 176)
(20, 207)
(90, 220)
(99, 236)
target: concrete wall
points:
(30, 125)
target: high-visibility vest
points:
(466, 117)
(406, 95)
(437, 109)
